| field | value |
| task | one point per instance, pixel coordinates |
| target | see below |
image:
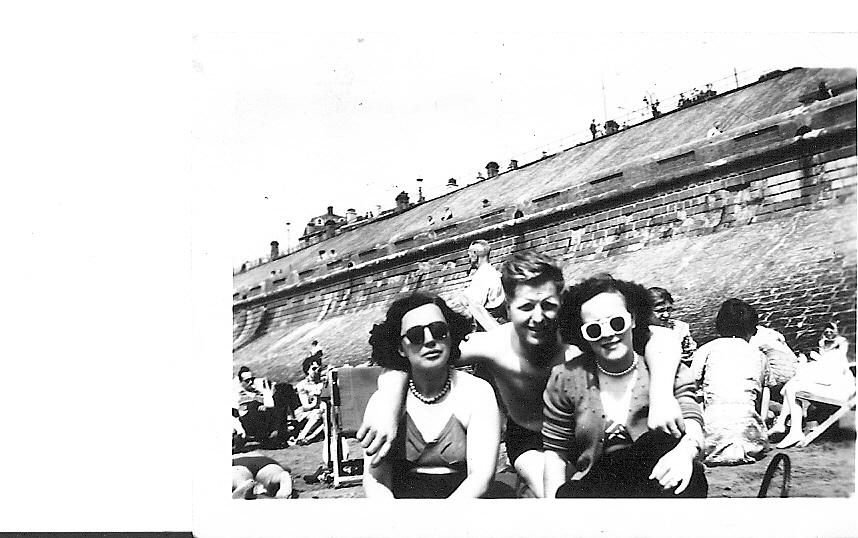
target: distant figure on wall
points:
(593, 128)
(485, 289)
(611, 127)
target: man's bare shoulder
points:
(487, 346)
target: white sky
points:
(287, 124)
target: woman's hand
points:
(674, 469)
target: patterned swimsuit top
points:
(448, 450)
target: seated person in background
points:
(309, 389)
(518, 357)
(254, 475)
(827, 374)
(732, 372)
(662, 315)
(833, 347)
(253, 406)
(781, 360)
(448, 444)
(596, 404)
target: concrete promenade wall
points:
(773, 224)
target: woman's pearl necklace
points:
(433, 399)
(618, 374)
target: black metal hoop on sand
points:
(770, 472)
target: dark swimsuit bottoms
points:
(253, 463)
(413, 485)
(519, 440)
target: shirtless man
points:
(519, 356)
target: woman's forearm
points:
(693, 438)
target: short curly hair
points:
(385, 336)
(638, 303)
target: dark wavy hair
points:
(637, 299)
(385, 338)
(736, 318)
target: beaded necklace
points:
(618, 374)
(433, 399)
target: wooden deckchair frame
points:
(843, 407)
(341, 423)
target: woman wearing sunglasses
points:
(596, 404)
(448, 441)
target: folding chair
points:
(351, 388)
(843, 407)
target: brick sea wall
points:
(776, 228)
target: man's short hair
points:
(480, 247)
(242, 370)
(305, 366)
(530, 267)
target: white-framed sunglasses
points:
(606, 327)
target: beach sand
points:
(825, 468)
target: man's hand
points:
(378, 430)
(665, 415)
(674, 469)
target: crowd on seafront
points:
(596, 390)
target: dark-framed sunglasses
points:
(606, 327)
(439, 330)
